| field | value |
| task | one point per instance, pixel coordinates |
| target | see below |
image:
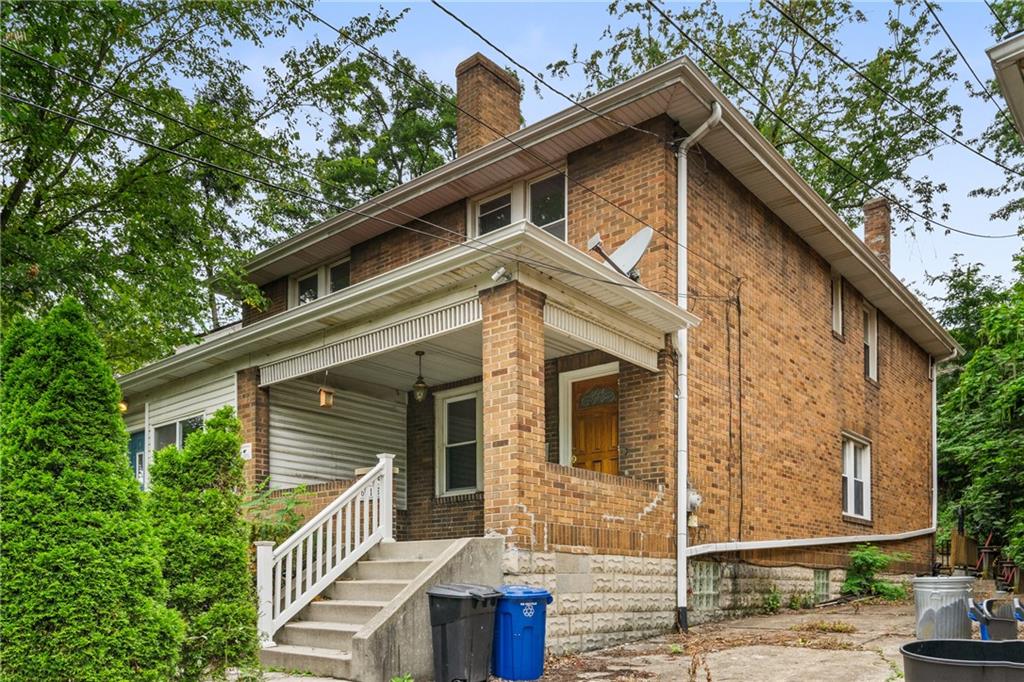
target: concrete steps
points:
(319, 640)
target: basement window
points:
(856, 477)
(706, 582)
(458, 431)
(870, 342)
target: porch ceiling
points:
(453, 357)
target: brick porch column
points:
(253, 406)
(513, 407)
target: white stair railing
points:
(289, 576)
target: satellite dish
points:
(626, 257)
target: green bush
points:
(273, 518)
(866, 561)
(83, 596)
(771, 601)
(196, 503)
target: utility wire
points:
(485, 248)
(884, 91)
(430, 86)
(963, 57)
(543, 82)
(654, 5)
(999, 19)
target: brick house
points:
(763, 350)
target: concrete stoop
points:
(373, 623)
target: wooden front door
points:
(595, 424)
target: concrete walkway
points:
(839, 643)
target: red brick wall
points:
(801, 385)
(430, 517)
(491, 94)
(276, 293)
(253, 407)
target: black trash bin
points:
(462, 621)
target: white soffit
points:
(579, 328)
(1008, 63)
(396, 335)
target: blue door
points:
(137, 455)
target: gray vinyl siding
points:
(309, 444)
(197, 399)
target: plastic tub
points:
(963, 660)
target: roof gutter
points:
(682, 396)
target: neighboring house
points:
(1007, 59)
(791, 380)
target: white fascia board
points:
(769, 157)
(1007, 58)
(491, 250)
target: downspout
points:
(682, 390)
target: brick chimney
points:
(491, 94)
(878, 227)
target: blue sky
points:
(540, 33)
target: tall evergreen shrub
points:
(196, 503)
(83, 597)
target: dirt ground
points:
(843, 643)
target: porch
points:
(548, 419)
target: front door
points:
(595, 424)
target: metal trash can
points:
(519, 632)
(462, 624)
(941, 603)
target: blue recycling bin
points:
(518, 652)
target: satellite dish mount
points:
(625, 258)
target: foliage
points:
(83, 597)
(981, 423)
(946, 522)
(844, 114)
(801, 600)
(145, 238)
(866, 561)
(832, 626)
(771, 601)
(1001, 139)
(197, 509)
(273, 515)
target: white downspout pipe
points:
(682, 398)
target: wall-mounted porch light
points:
(123, 406)
(419, 389)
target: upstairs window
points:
(547, 204)
(870, 342)
(494, 214)
(339, 275)
(856, 477)
(307, 288)
(837, 304)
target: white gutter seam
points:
(747, 545)
(682, 385)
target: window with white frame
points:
(459, 434)
(494, 214)
(856, 477)
(175, 433)
(837, 303)
(326, 279)
(547, 198)
(870, 342)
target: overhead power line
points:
(881, 88)
(867, 183)
(463, 241)
(431, 87)
(999, 19)
(543, 82)
(963, 57)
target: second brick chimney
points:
(878, 227)
(489, 93)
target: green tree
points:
(1001, 138)
(842, 113)
(981, 423)
(146, 240)
(83, 597)
(196, 504)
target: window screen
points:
(547, 205)
(460, 443)
(494, 214)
